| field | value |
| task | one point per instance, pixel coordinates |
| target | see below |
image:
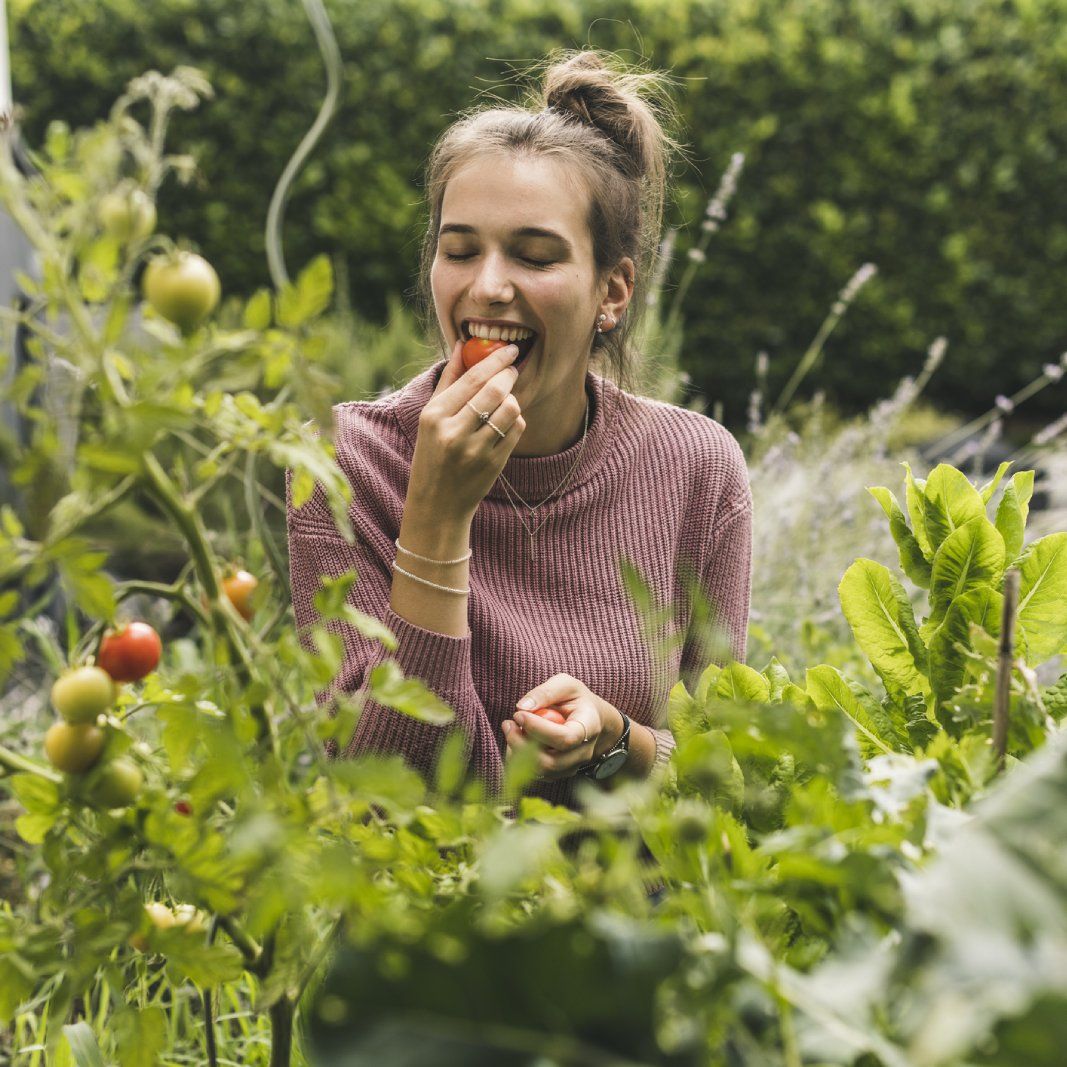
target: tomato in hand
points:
(477, 348)
(118, 784)
(239, 588)
(81, 694)
(183, 288)
(73, 749)
(551, 715)
(131, 653)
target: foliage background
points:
(926, 136)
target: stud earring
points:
(600, 320)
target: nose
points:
(492, 283)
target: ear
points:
(620, 289)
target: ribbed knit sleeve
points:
(442, 662)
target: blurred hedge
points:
(926, 136)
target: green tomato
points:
(183, 288)
(73, 749)
(128, 214)
(81, 694)
(118, 784)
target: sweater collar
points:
(532, 477)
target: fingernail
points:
(505, 726)
(526, 702)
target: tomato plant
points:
(239, 588)
(73, 748)
(183, 288)
(477, 348)
(83, 693)
(131, 653)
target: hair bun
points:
(584, 87)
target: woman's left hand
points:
(592, 726)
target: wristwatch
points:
(612, 760)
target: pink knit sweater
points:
(661, 486)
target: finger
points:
(469, 383)
(554, 735)
(558, 689)
(513, 734)
(453, 369)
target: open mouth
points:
(525, 344)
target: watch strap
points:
(622, 745)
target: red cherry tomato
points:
(239, 588)
(552, 715)
(131, 653)
(477, 348)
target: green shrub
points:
(925, 136)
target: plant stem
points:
(331, 54)
(250, 951)
(209, 1029)
(1002, 700)
(319, 953)
(192, 529)
(281, 1032)
(13, 763)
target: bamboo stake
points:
(1004, 667)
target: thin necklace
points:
(509, 489)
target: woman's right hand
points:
(457, 457)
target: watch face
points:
(611, 763)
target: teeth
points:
(499, 333)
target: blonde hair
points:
(593, 116)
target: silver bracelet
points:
(426, 559)
(415, 577)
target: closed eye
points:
(541, 264)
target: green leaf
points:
(949, 500)
(190, 958)
(740, 682)
(140, 1035)
(409, 696)
(882, 621)
(971, 556)
(36, 794)
(990, 487)
(706, 767)
(879, 729)
(257, 311)
(16, 985)
(1012, 512)
(777, 677)
(709, 678)
(1042, 614)
(913, 492)
(948, 664)
(83, 1045)
(912, 560)
(685, 715)
(34, 828)
(309, 296)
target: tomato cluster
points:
(81, 695)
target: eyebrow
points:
(526, 231)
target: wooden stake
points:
(1002, 698)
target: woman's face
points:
(514, 248)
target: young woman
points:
(496, 506)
